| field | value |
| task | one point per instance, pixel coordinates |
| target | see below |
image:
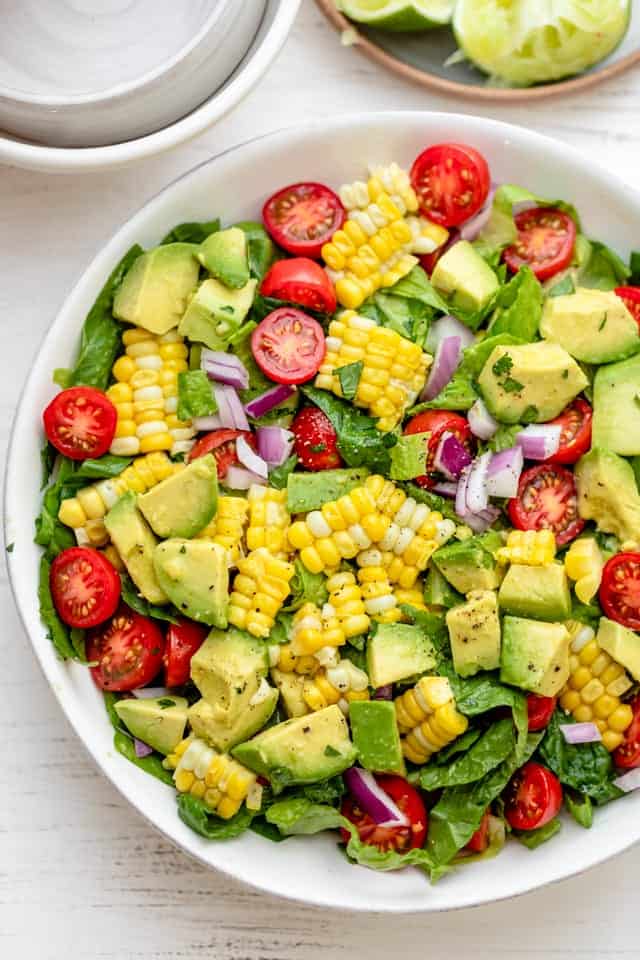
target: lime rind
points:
(398, 16)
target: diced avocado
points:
(205, 720)
(464, 278)
(195, 576)
(309, 491)
(158, 721)
(185, 502)
(301, 750)
(470, 564)
(607, 493)
(616, 407)
(157, 287)
(535, 655)
(409, 457)
(224, 255)
(215, 313)
(227, 669)
(438, 592)
(397, 651)
(538, 592)
(474, 632)
(291, 687)
(594, 326)
(531, 382)
(375, 736)
(622, 644)
(134, 540)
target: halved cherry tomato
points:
(390, 838)
(437, 422)
(546, 239)
(300, 280)
(85, 587)
(316, 441)
(183, 639)
(547, 500)
(302, 217)
(627, 756)
(127, 651)
(480, 840)
(80, 422)
(288, 345)
(631, 297)
(533, 797)
(222, 444)
(451, 181)
(575, 439)
(540, 710)
(428, 261)
(620, 589)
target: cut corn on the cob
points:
(314, 630)
(336, 532)
(282, 657)
(345, 596)
(228, 525)
(269, 519)
(428, 718)
(260, 588)
(535, 548)
(379, 599)
(339, 684)
(584, 563)
(215, 778)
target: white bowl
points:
(272, 32)
(82, 74)
(234, 185)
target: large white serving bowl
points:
(234, 186)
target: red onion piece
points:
(225, 368)
(207, 423)
(539, 441)
(628, 781)
(504, 473)
(479, 522)
(445, 363)
(470, 230)
(141, 748)
(446, 489)
(580, 733)
(237, 478)
(477, 495)
(274, 444)
(250, 459)
(481, 422)
(384, 693)
(146, 693)
(230, 409)
(461, 494)
(451, 456)
(372, 798)
(267, 401)
(448, 327)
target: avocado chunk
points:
(438, 592)
(622, 644)
(538, 592)
(616, 414)
(531, 382)
(194, 574)
(215, 313)
(310, 491)
(376, 737)
(474, 632)
(291, 689)
(205, 722)
(301, 750)
(224, 255)
(535, 655)
(397, 651)
(157, 286)
(134, 540)
(470, 564)
(594, 326)
(465, 278)
(227, 669)
(185, 502)
(607, 493)
(158, 721)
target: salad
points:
(341, 513)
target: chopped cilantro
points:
(318, 447)
(530, 414)
(603, 322)
(349, 377)
(9, 547)
(330, 751)
(503, 365)
(509, 385)
(165, 702)
(565, 374)
(636, 400)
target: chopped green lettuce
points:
(535, 838)
(191, 232)
(195, 395)
(409, 457)
(587, 767)
(519, 307)
(201, 820)
(360, 443)
(494, 746)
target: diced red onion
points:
(461, 494)
(250, 459)
(372, 798)
(504, 473)
(451, 456)
(470, 230)
(270, 399)
(445, 363)
(146, 693)
(481, 422)
(225, 368)
(580, 733)
(230, 409)
(448, 327)
(446, 489)
(628, 781)
(237, 478)
(274, 444)
(539, 440)
(141, 748)
(207, 423)
(479, 522)
(384, 693)
(477, 495)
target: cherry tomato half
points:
(288, 345)
(80, 422)
(451, 181)
(547, 500)
(533, 797)
(627, 756)
(480, 840)
(540, 710)
(620, 589)
(575, 439)
(631, 298)
(316, 441)
(300, 280)
(390, 838)
(222, 444)
(546, 239)
(183, 639)
(302, 217)
(85, 587)
(428, 261)
(437, 422)
(127, 650)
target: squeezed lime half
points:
(398, 15)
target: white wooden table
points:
(81, 875)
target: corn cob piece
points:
(113, 557)
(314, 630)
(394, 368)
(596, 683)
(379, 600)
(584, 563)
(145, 394)
(221, 782)
(340, 684)
(413, 597)
(260, 588)
(345, 596)
(336, 532)
(269, 519)
(227, 526)
(535, 548)
(428, 719)
(282, 657)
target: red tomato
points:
(546, 238)
(627, 756)
(302, 281)
(183, 639)
(533, 797)
(480, 840)
(575, 438)
(631, 297)
(127, 650)
(390, 838)
(620, 589)
(428, 261)
(80, 422)
(540, 711)
(85, 587)
(437, 422)
(222, 444)
(451, 181)
(288, 345)
(547, 500)
(316, 442)
(302, 217)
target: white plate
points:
(234, 186)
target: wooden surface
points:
(81, 875)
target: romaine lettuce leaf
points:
(360, 442)
(493, 747)
(519, 307)
(587, 767)
(199, 818)
(195, 395)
